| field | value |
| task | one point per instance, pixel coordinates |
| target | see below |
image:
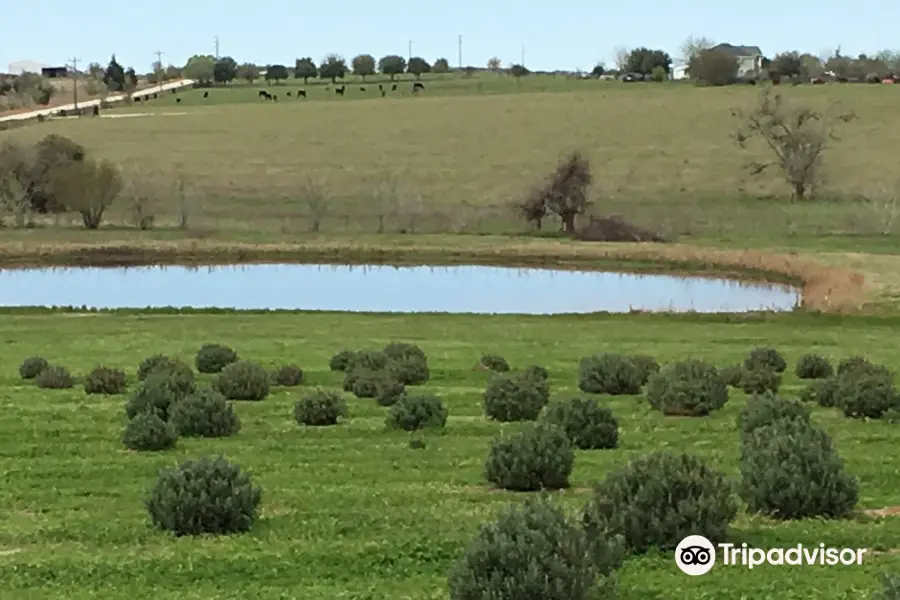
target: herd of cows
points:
(339, 91)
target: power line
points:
(75, 82)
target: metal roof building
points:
(25, 66)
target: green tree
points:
(493, 64)
(200, 68)
(95, 70)
(713, 67)
(363, 65)
(225, 70)
(248, 72)
(305, 68)
(333, 67)
(114, 76)
(418, 65)
(787, 64)
(173, 72)
(598, 70)
(441, 65)
(518, 71)
(392, 65)
(643, 60)
(276, 73)
(131, 80)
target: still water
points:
(456, 289)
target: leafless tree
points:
(565, 193)
(314, 194)
(693, 46)
(622, 54)
(796, 136)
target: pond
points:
(456, 289)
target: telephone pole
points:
(459, 50)
(217, 47)
(523, 55)
(409, 52)
(75, 81)
(159, 54)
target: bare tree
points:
(142, 190)
(622, 55)
(493, 64)
(565, 192)
(796, 136)
(533, 210)
(87, 187)
(692, 47)
(315, 195)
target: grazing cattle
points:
(206, 94)
(137, 98)
(275, 97)
(362, 88)
(340, 91)
(301, 93)
(418, 86)
(96, 111)
(394, 88)
(288, 94)
(380, 88)
(173, 91)
(178, 100)
(383, 93)
(263, 93)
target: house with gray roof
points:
(750, 58)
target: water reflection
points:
(385, 288)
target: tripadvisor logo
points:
(696, 555)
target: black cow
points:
(380, 88)
(263, 93)
(206, 94)
(178, 100)
(418, 86)
(155, 96)
(288, 94)
(96, 111)
(383, 93)
(340, 91)
(362, 88)
(394, 88)
(173, 91)
(301, 93)
(275, 97)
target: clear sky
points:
(567, 34)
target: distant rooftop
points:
(739, 50)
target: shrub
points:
(533, 551)
(320, 408)
(865, 395)
(367, 359)
(363, 382)
(759, 381)
(541, 457)
(861, 366)
(813, 366)
(212, 358)
(689, 388)
(157, 393)
(766, 409)
(287, 376)
(409, 370)
(588, 425)
(890, 587)
(32, 366)
(205, 413)
(146, 432)
(790, 470)
(55, 378)
(160, 363)
(400, 350)
(243, 380)
(514, 397)
(207, 495)
(765, 358)
(536, 372)
(103, 380)
(341, 360)
(493, 362)
(411, 413)
(636, 502)
(609, 374)
(821, 391)
(731, 375)
(388, 390)
(647, 365)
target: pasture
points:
(453, 159)
(352, 511)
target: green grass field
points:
(352, 511)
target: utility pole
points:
(75, 82)
(523, 55)
(460, 51)
(217, 47)
(159, 54)
(409, 52)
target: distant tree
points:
(87, 187)
(787, 64)
(441, 65)
(658, 74)
(248, 72)
(797, 137)
(225, 70)
(565, 193)
(114, 76)
(692, 47)
(392, 65)
(131, 80)
(276, 73)
(518, 71)
(363, 65)
(173, 72)
(201, 68)
(493, 64)
(418, 65)
(713, 67)
(622, 56)
(334, 67)
(598, 70)
(469, 71)
(95, 70)
(304, 68)
(643, 60)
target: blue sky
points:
(582, 33)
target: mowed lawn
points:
(351, 511)
(662, 155)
